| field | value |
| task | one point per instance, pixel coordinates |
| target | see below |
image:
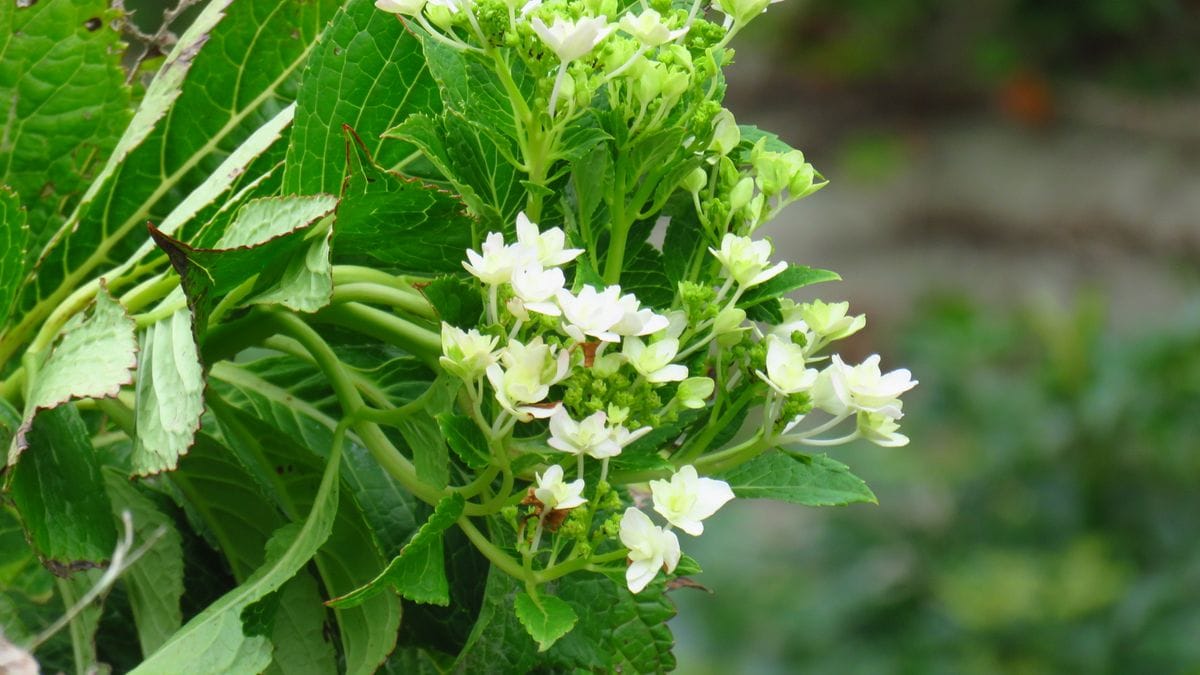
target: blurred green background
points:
(1015, 203)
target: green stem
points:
(619, 231)
(370, 433)
(383, 295)
(493, 553)
(420, 342)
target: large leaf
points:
(170, 394)
(259, 247)
(301, 645)
(809, 480)
(349, 558)
(222, 81)
(155, 583)
(469, 159)
(403, 223)
(498, 642)
(94, 359)
(60, 495)
(14, 242)
(214, 640)
(367, 73)
(419, 572)
(618, 631)
(65, 103)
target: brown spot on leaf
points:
(93, 24)
(686, 582)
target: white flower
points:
(649, 29)
(408, 7)
(554, 494)
(785, 367)
(495, 265)
(829, 320)
(526, 376)
(842, 388)
(881, 430)
(590, 437)
(726, 134)
(547, 246)
(636, 320)
(654, 361)
(651, 548)
(537, 287)
(572, 39)
(746, 261)
(591, 314)
(688, 499)
(466, 354)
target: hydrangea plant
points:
(357, 312)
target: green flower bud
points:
(694, 391)
(741, 193)
(696, 180)
(726, 134)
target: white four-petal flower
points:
(862, 388)
(572, 39)
(494, 264)
(466, 353)
(591, 436)
(548, 246)
(537, 286)
(591, 313)
(786, 371)
(649, 28)
(653, 361)
(746, 261)
(651, 548)
(687, 499)
(554, 493)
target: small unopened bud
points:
(694, 391)
(726, 134)
(741, 193)
(696, 180)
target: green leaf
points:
(155, 583)
(169, 394)
(761, 302)
(465, 439)
(60, 495)
(276, 391)
(94, 359)
(419, 572)
(298, 635)
(66, 102)
(685, 236)
(546, 618)
(645, 276)
(498, 642)
(618, 631)
(14, 245)
(469, 159)
(258, 45)
(457, 301)
(471, 89)
(258, 247)
(809, 480)
(214, 641)
(406, 225)
(288, 471)
(367, 71)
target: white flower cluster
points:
(529, 273)
(684, 501)
(838, 389)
